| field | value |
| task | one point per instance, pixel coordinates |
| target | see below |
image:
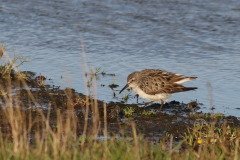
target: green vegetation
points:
(10, 69)
(151, 113)
(206, 115)
(41, 80)
(61, 141)
(219, 140)
(128, 111)
(96, 72)
(125, 98)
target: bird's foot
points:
(145, 104)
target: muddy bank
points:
(37, 98)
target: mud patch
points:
(51, 101)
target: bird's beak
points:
(124, 88)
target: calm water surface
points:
(194, 38)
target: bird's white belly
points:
(156, 98)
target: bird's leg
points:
(137, 97)
(147, 103)
(161, 106)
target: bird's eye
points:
(132, 80)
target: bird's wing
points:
(166, 76)
(160, 82)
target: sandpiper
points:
(157, 85)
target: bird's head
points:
(131, 80)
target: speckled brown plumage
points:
(157, 85)
(155, 81)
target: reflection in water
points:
(191, 38)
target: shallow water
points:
(196, 38)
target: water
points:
(194, 38)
